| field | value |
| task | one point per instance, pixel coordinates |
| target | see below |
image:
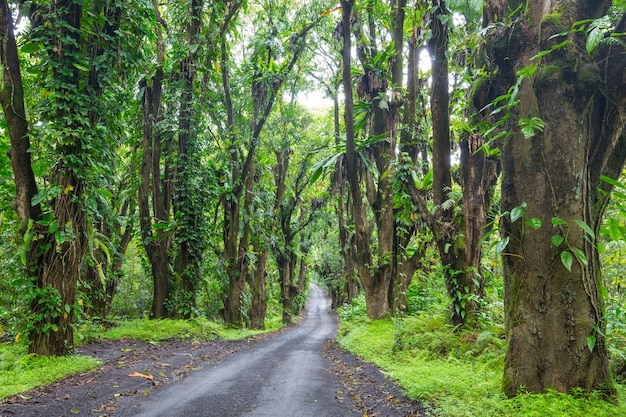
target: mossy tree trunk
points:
(553, 303)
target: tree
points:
(567, 96)
(379, 88)
(155, 190)
(72, 55)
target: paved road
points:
(286, 376)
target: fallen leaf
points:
(140, 375)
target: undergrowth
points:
(458, 372)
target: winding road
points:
(287, 376)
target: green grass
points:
(164, 329)
(20, 372)
(458, 373)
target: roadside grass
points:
(458, 373)
(20, 372)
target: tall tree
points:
(155, 189)
(566, 77)
(272, 62)
(73, 76)
(379, 87)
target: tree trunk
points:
(553, 309)
(453, 258)
(12, 101)
(257, 285)
(153, 189)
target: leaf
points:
(611, 181)
(518, 212)
(81, 67)
(594, 38)
(104, 192)
(557, 221)
(591, 342)
(140, 375)
(585, 227)
(502, 244)
(567, 259)
(29, 48)
(557, 240)
(580, 255)
(534, 222)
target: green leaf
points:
(29, 48)
(104, 192)
(591, 342)
(594, 38)
(580, 255)
(534, 222)
(68, 308)
(518, 212)
(81, 67)
(502, 244)
(567, 259)
(557, 240)
(585, 227)
(557, 221)
(611, 181)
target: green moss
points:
(546, 75)
(550, 25)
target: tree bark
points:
(554, 314)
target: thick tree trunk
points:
(58, 275)
(554, 312)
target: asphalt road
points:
(287, 376)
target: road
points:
(287, 376)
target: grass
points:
(20, 372)
(459, 373)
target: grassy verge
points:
(20, 372)
(459, 373)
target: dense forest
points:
(201, 158)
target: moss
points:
(546, 75)
(588, 78)
(550, 25)
(480, 92)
